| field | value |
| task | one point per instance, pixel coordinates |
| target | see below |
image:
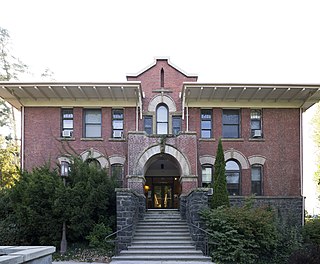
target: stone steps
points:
(161, 237)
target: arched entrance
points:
(162, 186)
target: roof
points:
(156, 59)
(85, 94)
(250, 95)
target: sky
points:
(232, 41)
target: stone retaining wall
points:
(26, 254)
(131, 207)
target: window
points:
(256, 179)
(256, 128)
(206, 123)
(67, 122)
(148, 124)
(64, 168)
(207, 174)
(162, 120)
(94, 163)
(231, 121)
(117, 173)
(233, 177)
(176, 125)
(162, 78)
(117, 123)
(92, 123)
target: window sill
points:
(207, 139)
(233, 139)
(257, 139)
(67, 138)
(91, 139)
(117, 139)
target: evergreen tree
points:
(220, 193)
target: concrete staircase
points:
(161, 237)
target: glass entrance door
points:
(162, 196)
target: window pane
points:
(93, 131)
(230, 131)
(256, 174)
(176, 121)
(117, 124)
(147, 121)
(205, 124)
(256, 188)
(232, 177)
(68, 123)
(206, 133)
(67, 113)
(162, 114)
(230, 117)
(93, 116)
(117, 114)
(232, 165)
(206, 174)
(255, 124)
(256, 114)
(206, 114)
(162, 128)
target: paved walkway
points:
(75, 262)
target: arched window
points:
(162, 119)
(207, 175)
(162, 78)
(94, 163)
(117, 173)
(64, 168)
(256, 179)
(233, 177)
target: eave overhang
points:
(250, 95)
(67, 94)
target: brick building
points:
(159, 132)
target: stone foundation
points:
(289, 210)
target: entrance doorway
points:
(162, 188)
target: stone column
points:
(188, 183)
(136, 183)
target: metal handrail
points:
(117, 232)
(114, 240)
(206, 242)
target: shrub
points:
(311, 231)
(241, 235)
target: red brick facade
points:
(279, 148)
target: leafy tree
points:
(33, 210)
(9, 163)
(316, 136)
(220, 193)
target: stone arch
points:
(95, 154)
(117, 159)
(257, 160)
(65, 159)
(237, 155)
(149, 153)
(158, 99)
(207, 159)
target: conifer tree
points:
(220, 193)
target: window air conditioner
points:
(117, 134)
(257, 134)
(66, 133)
